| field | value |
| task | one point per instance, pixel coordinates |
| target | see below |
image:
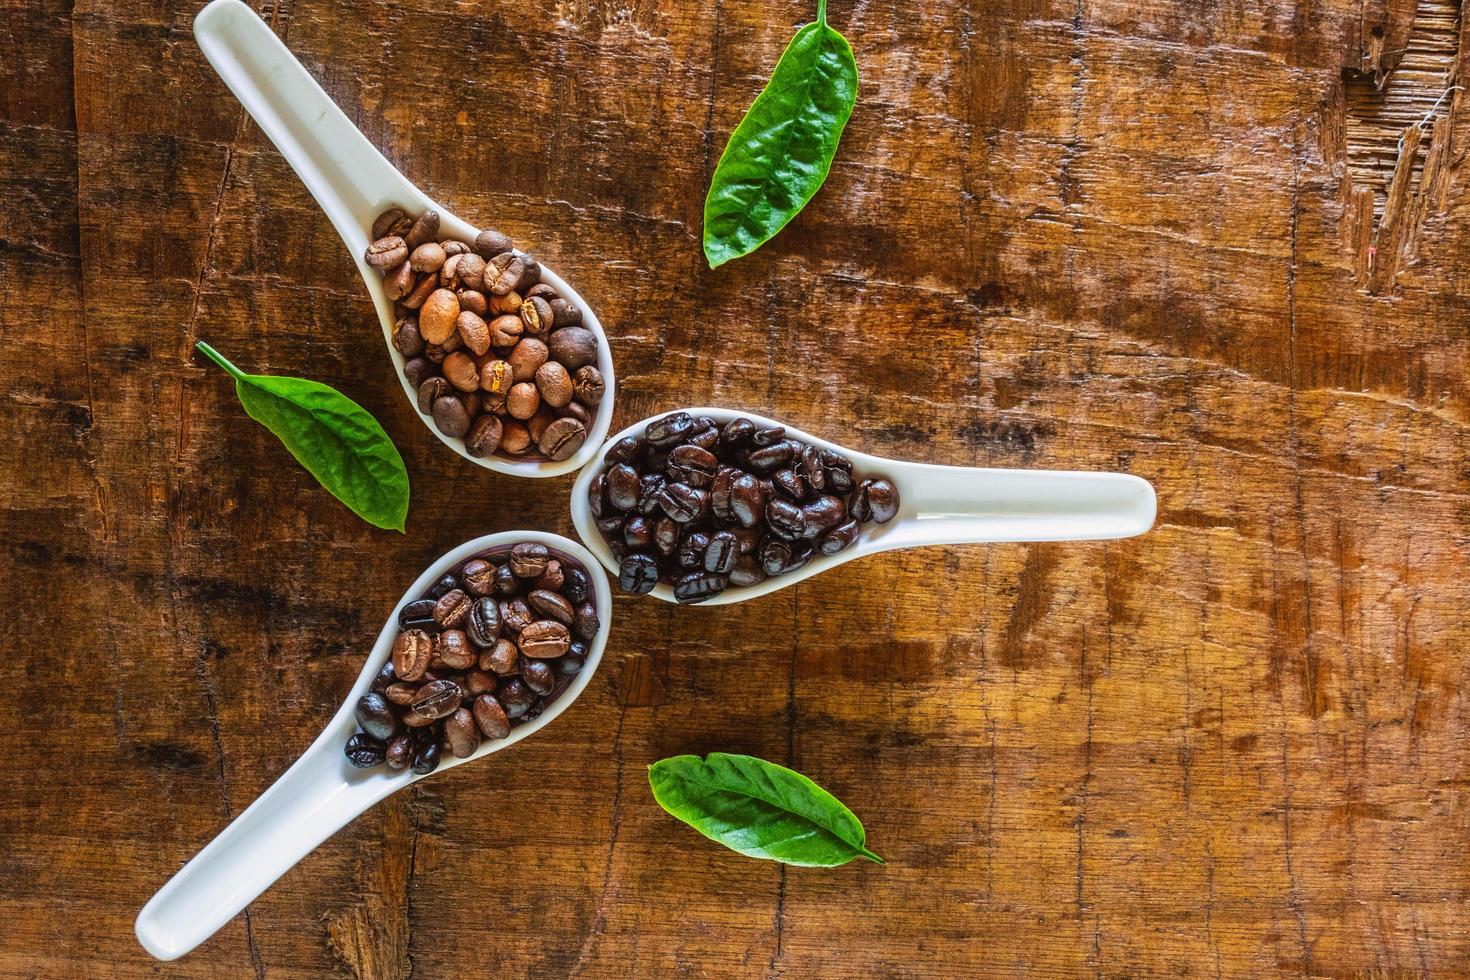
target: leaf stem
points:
(822, 12)
(219, 359)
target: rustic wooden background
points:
(1157, 235)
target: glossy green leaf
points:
(760, 809)
(780, 153)
(331, 435)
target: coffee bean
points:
(574, 347)
(452, 651)
(554, 384)
(774, 556)
(423, 288)
(625, 450)
(435, 700)
(394, 221)
(788, 483)
(407, 339)
(699, 586)
(882, 500)
(539, 676)
(747, 571)
(490, 243)
(785, 518)
(364, 751)
(622, 487)
(563, 438)
(515, 615)
(669, 430)
(505, 331)
(544, 639)
(385, 253)
(483, 623)
(529, 560)
(821, 515)
(412, 651)
(461, 733)
(528, 355)
(747, 500)
(681, 502)
(484, 436)
(588, 385)
(691, 549)
(516, 437)
(586, 625)
(503, 273)
(452, 608)
(840, 538)
(720, 555)
(375, 716)
(418, 614)
(516, 698)
(473, 331)
(638, 532)
(523, 400)
(416, 371)
(578, 587)
(450, 417)
(638, 574)
(698, 464)
(446, 584)
(427, 257)
(401, 693)
(666, 535)
(399, 752)
(536, 316)
(501, 659)
(425, 229)
(551, 605)
(506, 581)
(477, 682)
(553, 579)
(438, 320)
(460, 371)
(491, 717)
(426, 758)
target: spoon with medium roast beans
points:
(492, 642)
(505, 363)
(710, 505)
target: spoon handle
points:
(310, 802)
(960, 505)
(346, 174)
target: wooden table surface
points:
(1155, 235)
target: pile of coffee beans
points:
(499, 358)
(702, 506)
(487, 649)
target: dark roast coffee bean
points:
(483, 624)
(625, 450)
(699, 586)
(612, 529)
(681, 501)
(570, 666)
(577, 587)
(668, 430)
(747, 571)
(882, 497)
(418, 614)
(446, 584)
(785, 518)
(720, 555)
(768, 437)
(506, 582)
(399, 753)
(809, 467)
(840, 538)
(585, 626)
(551, 605)
(801, 553)
(768, 459)
(706, 440)
(461, 734)
(515, 697)
(822, 515)
(384, 679)
(839, 481)
(538, 676)
(484, 436)
(434, 700)
(544, 639)
(747, 500)
(426, 758)
(528, 560)
(412, 651)
(638, 573)
(638, 532)
(736, 433)
(774, 556)
(791, 485)
(490, 717)
(502, 659)
(622, 487)
(649, 487)
(451, 609)
(695, 462)
(666, 535)
(691, 550)
(597, 495)
(719, 493)
(375, 716)
(364, 751)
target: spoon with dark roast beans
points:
(450, 680)
(710, 505)
(379, 214)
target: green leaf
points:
(331, 435)
(760, 809)
(779, 155)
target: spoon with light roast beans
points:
(711, 505)
(455, 271)
(453, 712)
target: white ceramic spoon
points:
(322, 792)
(354, 184)
(937, 505)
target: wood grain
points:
(1112, 234)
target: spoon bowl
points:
(937, 505)
(323, 792)
(353, 183)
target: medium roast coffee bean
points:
(399, 753)
(491, 717)
(544, 639)
(451, 609)
(552, 605)
(461, 733)
(483, 622)
(528, 560)
(503, 658)
(562, 439)
(412, 652)
(434, 700)
(452, 650)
